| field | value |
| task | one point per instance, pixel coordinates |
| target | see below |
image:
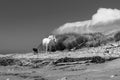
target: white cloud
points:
(105, 15)
(74, 27)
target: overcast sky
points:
(23, 23)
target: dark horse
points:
(35, 51)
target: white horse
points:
(46, 41)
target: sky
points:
(24, 23)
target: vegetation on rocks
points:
(83, 60)
(4, 61)
(73, 41)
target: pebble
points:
(7, 79)
(113, 75)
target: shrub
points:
(81, 40)
(66, 41)
(52, 46)
(117, 36)
(70, 42)
(95, 39)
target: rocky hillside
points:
(93, 54)
(73, 41)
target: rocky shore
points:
(41, 66)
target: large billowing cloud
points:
(104, 20)
(104, 15)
